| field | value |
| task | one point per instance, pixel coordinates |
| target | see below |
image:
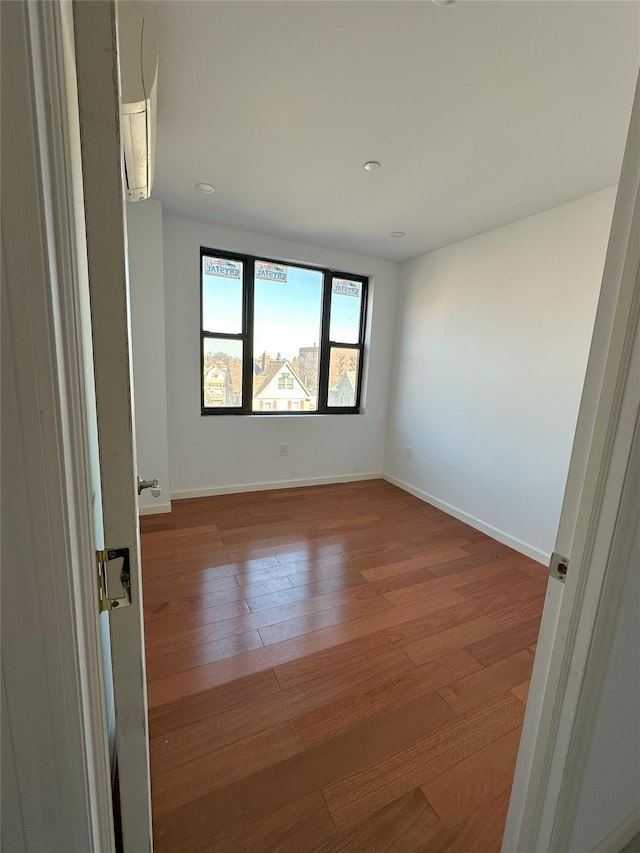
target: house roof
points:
(216, 371)
(261, 382)
(348, 377)
(235, 370)
(351, 376)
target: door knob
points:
(154, 485)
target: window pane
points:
(286, 337)
(344, 365)
(222, 295)
(346, 299)
(222, 373)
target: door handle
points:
(154, 485)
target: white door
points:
(98, 101)
(55, 764)
(57, 778)
(546, 782)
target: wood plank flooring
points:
(333, 669)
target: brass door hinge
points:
(106, 560)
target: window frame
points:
(246, 337)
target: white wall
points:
(492, 341)
(220, 453)
(146, 281)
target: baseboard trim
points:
(472, 521)
(156, 509)
(274, 484)
(622, 835)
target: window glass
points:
(346, 301)
(287, 327)
(222, 373)
(222, 295)
(344, 366)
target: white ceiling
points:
(480, 113)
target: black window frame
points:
(246, 337)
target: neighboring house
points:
(222, 382)
(342, 361)
(261, 363)
(344, 392)
(216, 382)
(307, 365)
(280, 388)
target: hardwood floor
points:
(334, 668)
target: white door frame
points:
(96, 57)
(564, 693)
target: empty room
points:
(364, 333)
(363, 293)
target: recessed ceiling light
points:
(372, 165)
(398, 233)
(205, 188)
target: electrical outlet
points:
(284, 450)
(409, 453)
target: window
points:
(285, 382)
(279, 337)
